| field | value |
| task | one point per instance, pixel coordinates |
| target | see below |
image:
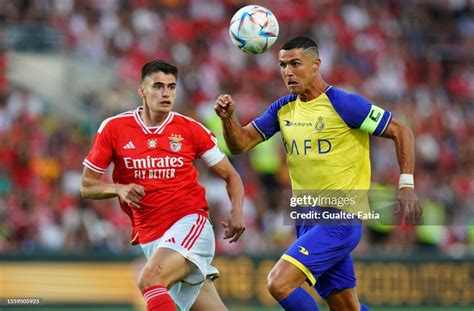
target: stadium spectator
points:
(427, 83)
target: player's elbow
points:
(398, 131)
(84, 191)
(242, 141)
(236, 150)
(240, 148)
(405, 133)
(233, 150)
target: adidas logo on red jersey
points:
(170, 240)
(129, 145)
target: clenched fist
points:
(224, 106)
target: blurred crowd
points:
(412, 57)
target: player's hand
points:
(234, 226)
(409, 205)
(131, 194)
(224, 106)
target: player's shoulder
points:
(338, 96)
(351, 107)
(189, 122)
(117, 120)
(284, 100)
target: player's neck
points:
(152, 119)
(315, 91)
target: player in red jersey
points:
(153, 149)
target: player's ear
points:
(316, 65)
(141, 91)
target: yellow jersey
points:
(326, 139)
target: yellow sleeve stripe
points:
(300, 266)
(259, 131)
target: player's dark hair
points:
(157, 66)
(300, 42)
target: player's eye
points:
(172, 87)
(295, 64)
(282, 65)
(157, 86)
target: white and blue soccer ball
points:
(253, 29)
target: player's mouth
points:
(292, 83)
(165, 103)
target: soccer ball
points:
(253, 29)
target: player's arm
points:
(235, 225)
(238, 139)
(359, 113)
(93, 187)
(405, 149)
(404, 145)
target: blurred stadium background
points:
(67, 64)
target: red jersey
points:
(161, 160)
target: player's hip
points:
(192, 234)
(152, 225)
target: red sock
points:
(158, 299)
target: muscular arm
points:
(238, 139)
(405, 149)
(93, 187)
(235, 224)
(404, 145)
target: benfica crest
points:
(175, 143)
(152, 143)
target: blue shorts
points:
(322, 253)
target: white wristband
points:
(406, 180)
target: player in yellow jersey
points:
(326, 137)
